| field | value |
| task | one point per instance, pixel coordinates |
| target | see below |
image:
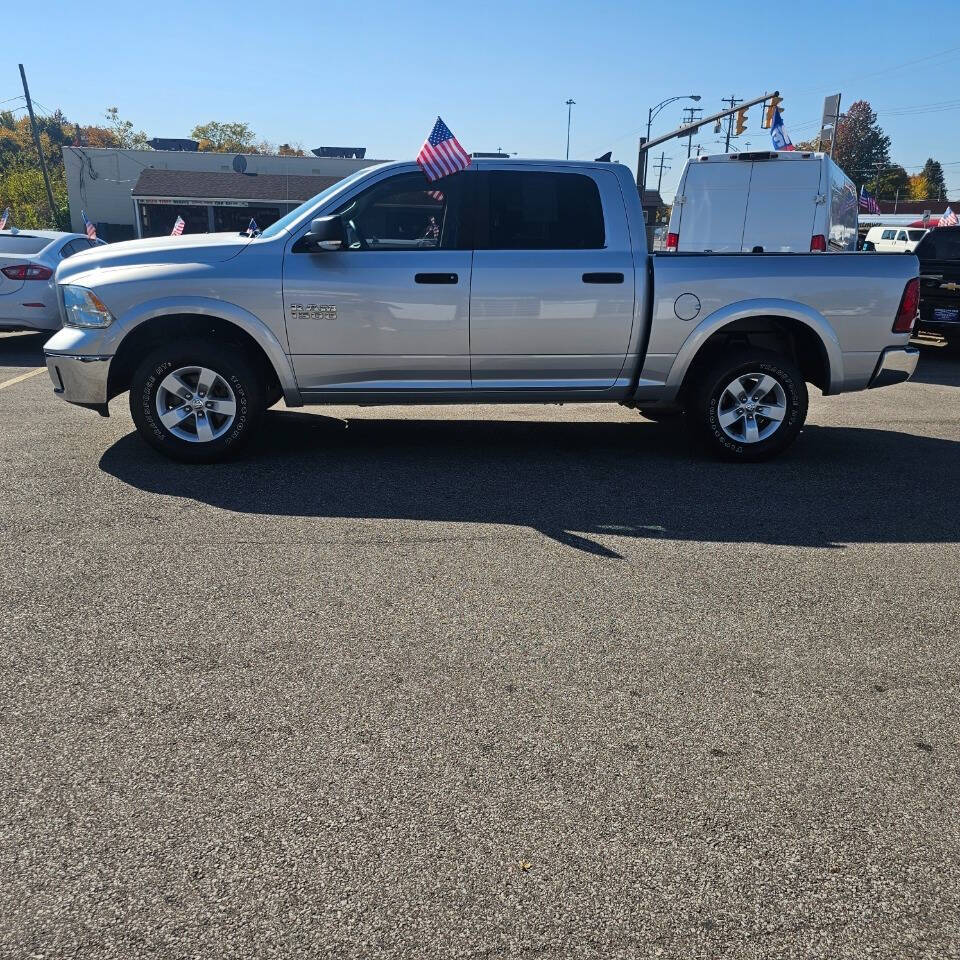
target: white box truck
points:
(769, 202)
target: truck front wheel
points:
(750, 405)
(196, 401)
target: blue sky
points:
(376, 73)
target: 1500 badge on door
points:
(313, 311)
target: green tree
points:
(861, 146)
(890, 183)
(225, 137)
(933, 173)
(123, 132)
(22, 190)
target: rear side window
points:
(940, 244)
(23, 244)
(902, 235)
(528, 210)
(916, 234)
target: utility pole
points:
(36, 141)
(661, 166)
(691, 114)
(570, 105)
(732, 101)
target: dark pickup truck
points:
(939, 256)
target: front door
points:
(552, 295)
(390, 312)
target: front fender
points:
(769, 307)
(207, 307)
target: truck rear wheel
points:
(196, 401)
(750, 405)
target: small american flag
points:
(88, 226)
(3, 219)
(948, 218)
(441, 153)
(252, 228)
(867, 202)
(177, 227)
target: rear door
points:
(713, 207)
(551, 302)
(782, 206)
(939, 256)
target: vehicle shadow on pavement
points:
(939, 364)
(573, 481)
(23, 349)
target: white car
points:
(28, 261)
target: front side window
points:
(529, 210)
(888, 234)
(406, 212)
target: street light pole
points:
(570, 104)
(651, 114)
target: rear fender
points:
(744, 309)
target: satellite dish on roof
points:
(240, 163)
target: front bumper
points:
(80, 379)
(896, 365)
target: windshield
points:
(23, 244)
(278, 226)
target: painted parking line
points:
(23, 376)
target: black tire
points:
(238, 376)
(704, 408)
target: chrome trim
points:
(79, 378)
(896, 365)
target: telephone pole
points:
(661, 166)
(36, 141)
(691, 114)
(732, 102)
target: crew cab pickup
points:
(510, 282)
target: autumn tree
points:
(860, 146)
(123, 133)
(919, 187)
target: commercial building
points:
(140, 193)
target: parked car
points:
(770, 202)
(894, 239)
(28, 261)
(513, 281)
(939, 256)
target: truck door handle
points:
(603, 278)
(436, 278)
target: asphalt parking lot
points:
(480, 682)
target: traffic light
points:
(771, 110)
(741, 120)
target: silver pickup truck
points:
(511, 282)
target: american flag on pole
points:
(88, 226)
(441, 153)
(252, 228)
(948, 218)
(177, 227)
(868, 203)
(3, 219)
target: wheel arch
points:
(154, 323)
(785, 326)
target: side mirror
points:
(327, 233)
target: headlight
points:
(84, 308)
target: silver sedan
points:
(28, 261)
